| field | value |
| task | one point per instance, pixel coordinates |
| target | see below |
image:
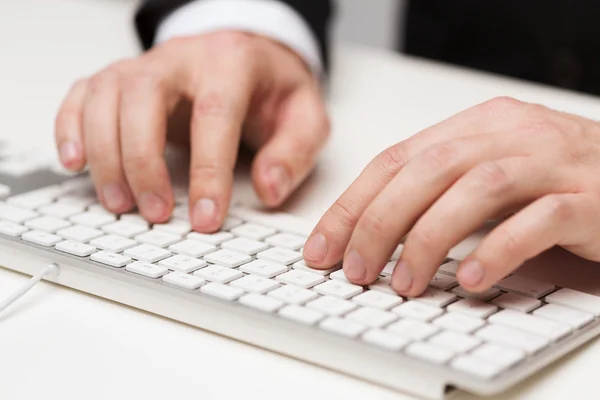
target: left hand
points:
(498, 158)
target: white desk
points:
(61, 344)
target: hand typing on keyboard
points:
(503, 157)
(116, 122)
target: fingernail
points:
(402, 279)
(315, 249)
(281, 184)
(204, 213)
(152, 206)
(471, 274)
(114, 197)
(69, 153)
(354, 266)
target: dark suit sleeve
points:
(317, 13)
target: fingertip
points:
(154, 208)
(471, 276)
(205, 215)
(116, 198)
(71, 155)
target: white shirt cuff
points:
(269, 18)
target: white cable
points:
(51, 269)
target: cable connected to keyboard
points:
(49, 270)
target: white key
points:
(383, 284)
(253, 231)
(47, 224)
(113, 243)
(397, 253)
(176, 226)
(457, 342)
(181, 263)
(60, 210)
(213, 238)
(82, 200)
(218, 274)
(92, 220)
(526, 287)
(230, 223)
(41, 238)
(436, 297)
(223, 292)
(135, 218)
(443, 282)
(286, 240)
(342, 327)
(565, 315)
(147, 253)
(279, 255)
(385, 340)
(192, 248)
(337, 275)
(413, 330)
(147, 269)
(79, 233)
(158, 238)
(228, 258)
(99, 209)
(529, 323)
(379, 300)
(338, 289)
(484, 296)
(36, 198)
(301, 265)
(266, 269)
(372, 317)
(576, 300)
(301, 314)
(15, 214)
(246, 246)
(418, 310)
(430, 352)
(459, 322)
(499, 355)
(125, 229)
(255, 284)
(182, 211)
(184, 280)
(331, 306)
(4, 191)
(75, 248)
(477, 367)
(473, 307)
(449, 268)
(514, 338)
(303, 279)
(293, 295)
(261, 302)
(109, 258)
(11, 229)
(517, 302)
(389, 268)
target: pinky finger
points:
(69, 125)
(562, 219)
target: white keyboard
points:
(251, 277)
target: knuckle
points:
(391, 160)
(142, 80)
(510, 243)
(65, 116)
(423, 238)
(213, 104)
(136, 162)
(344, 213)
(108, 78)
(493, 178)
(439, 156)
(207, 170)
(372, 223)
(502, 103)
(558, 208)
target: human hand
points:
(503, 157)
(238, 87)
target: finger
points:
(101, 139)
(475, 198)
(329, 239)
(68, 129)
(143, 122)
(560, 219)
(289, 156)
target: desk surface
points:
(61, 344)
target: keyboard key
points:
(443, 282)
(476, 367)
(529, 323)
(255, 284)
(473, 307)
(293, 295)
(299, 278)
(430, 352)
(383, 285)
(459, 322)
(228, 258)
(412, 329)
(279, 255)
(75, 248)
(99, 209)
(337, 275)
(35, 199)
(331, 306)
(181, 263)
(385, 340)
(436, 297)
(182, 211)
(484, 296)
(246, 246)
(417, 310)
(60, 210)
(564, 315)
(176, 226)
(135, 218)
(222, 292)
(113, 243)
(457, 342)
(79, 233)
(230, 223)
(214, 238)
(301, 265)
(526, 287)
(379, 300)
(342, 327)
(389, 268)
(286, 240)
(146, 269)
(47, 224)
(11, 229)
(184, 280)
(147, 253)
(338, 289)
(261, 303)
(577, 300)
(449, 268)
(266, 269)
(192, 248)
(397, 253)
(92, 219)
(41, 238)
(218, 274)
(372, 317)
(4, 191)
(513, 338)
(517, 302)
(505, 357)
(124, 229)
(15, 214)
(111, 259)
(158, 238)
(253, 231)
(302, 315)
(82, 200)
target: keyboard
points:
(249, 282)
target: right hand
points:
(238, 87)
